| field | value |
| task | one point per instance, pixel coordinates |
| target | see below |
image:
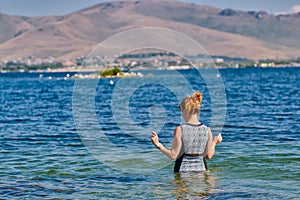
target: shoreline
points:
(91, 70)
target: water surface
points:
(42, 155)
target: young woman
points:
(192, 142)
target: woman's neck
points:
(192, 119)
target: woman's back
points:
(194, 142)
(194, 138)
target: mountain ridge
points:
(220, 32)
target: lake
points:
(89, 139)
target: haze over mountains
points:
(253, 35)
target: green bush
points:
(111, 72)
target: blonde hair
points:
(191, 104)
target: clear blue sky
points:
(61, 7)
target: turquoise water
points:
(44, 152)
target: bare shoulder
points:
(177, 131)
(209, 131)
(206, 127)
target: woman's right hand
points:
(154, 138)
(218, 139)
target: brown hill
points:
(253, 35)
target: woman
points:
(192, 141)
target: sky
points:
(61, 7)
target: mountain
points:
(227, 32)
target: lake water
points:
(55, 145)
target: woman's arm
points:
(176, 144)
(212, 144)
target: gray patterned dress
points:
(194, 148)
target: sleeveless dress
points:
(195, 139)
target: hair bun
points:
(197, 96)
(191, 104)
